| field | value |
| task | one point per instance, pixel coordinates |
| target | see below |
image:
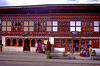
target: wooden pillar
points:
(85, 43)
(79, 44)
(35, 41)
(66, 47)
(30, 42)
(72, 44)
(60, 42)
(23, 42)
(11, 42)
(16, 42)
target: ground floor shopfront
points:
(58, 44)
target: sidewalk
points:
(41, 58)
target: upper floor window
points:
(55, 24)
(75, 26)
(96, 26)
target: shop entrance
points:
(76, 45)
(26, 45)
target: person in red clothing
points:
(81, 53)
(40, 45)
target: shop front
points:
(75, 44)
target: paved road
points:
(36, 59)
(12, 63)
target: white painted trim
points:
(50, 37)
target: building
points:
(66, 26)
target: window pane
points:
(49, 23)
(54, 28)
(48, 28)
(78, 29)
(8, 28)
(96, 23)
(31, 23)
(72, 28)
(8, 23)
(96, 29)
(72, 23)
(30, 28)
(78, 23)
(55, 23)
(25, 23)
(25, 28)
(3, 28)
(3, 23)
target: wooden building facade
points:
(65, 26)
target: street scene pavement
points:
(39, 59)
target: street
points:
(12, 63)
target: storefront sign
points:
(75, 32)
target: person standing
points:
(48, 46)
(90, 51)
(36, 47)
(43, 48)
(40, 44)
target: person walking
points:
(90, 51)
(36, 47)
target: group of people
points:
(41, 47)
(86, 53)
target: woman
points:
(81, 53)
(40, 44)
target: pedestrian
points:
(81, 53)
(90, 51)
(36, 47)
(48, 46)
(84, 52)
(40, 44)
(43, 48)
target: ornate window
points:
(63, 26)
(57, 43)
(63, 43)
(40, 27)
(83, 43)
(89, 43)
(69, 43)
(17, 26)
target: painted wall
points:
(99, 42)
(59, 49)
(3, 40)
(32, 49)
(9, 48)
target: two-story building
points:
(66, 26)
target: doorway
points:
(26, 45)
(76, 45)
